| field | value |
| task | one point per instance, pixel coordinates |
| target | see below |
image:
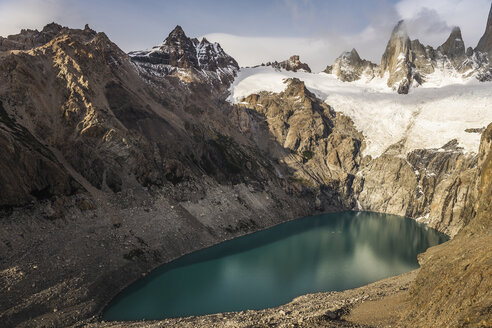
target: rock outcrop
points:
(322, 147)
(293, 64)
(350, 67)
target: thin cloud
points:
(430, 22)
(34, 14)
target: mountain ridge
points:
(408, 63)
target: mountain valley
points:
(117, 163)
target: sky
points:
(256, 31)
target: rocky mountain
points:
(293, 64)
(116, 163)
(350, 67)
(321, 147)
(406, 63)
(326, 154)
(110, 173)
(485, 43)
(28, 39)
(181, 56)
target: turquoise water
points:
(328, 252)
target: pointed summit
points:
(352, 56)
(398, 44)
(350, 67)
(177, 32)
(396, 59)
(180, 51)
(485, 43)
(454, 47)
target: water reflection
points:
(269, 268)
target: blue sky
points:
(258, 30)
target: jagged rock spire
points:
(485, 43)
(177, 33)
(454, 47)
(396, 60)
(399, 43)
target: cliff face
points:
(430, 185)
(396, 61)
(320, 146)
(453, 286)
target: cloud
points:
(318, 51)
(33, 14)
(250, 51)
(300, 10)
(431, 21)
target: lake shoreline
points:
(321, 253)
(330, 309)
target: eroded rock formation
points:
(293, 64)
(321, 146)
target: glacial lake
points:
(328, 252)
